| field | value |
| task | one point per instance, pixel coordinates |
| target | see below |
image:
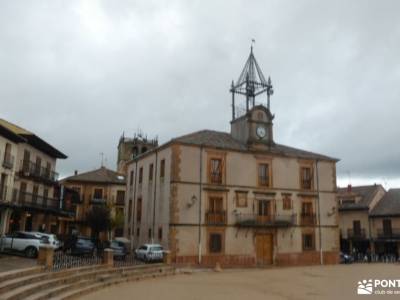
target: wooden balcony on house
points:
(8, 161)
(356, 234)
(216, 217)
(36, 172)
(273, 220)
(308, 219)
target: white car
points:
(150, 252)
(23, 242)
(52, 238)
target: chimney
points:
(76, 172)
(349, 188)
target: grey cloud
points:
(81, 73)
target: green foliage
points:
(98, 219)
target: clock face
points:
(261, 131)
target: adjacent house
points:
(100, 187)
(238, 198)
(385, 224)
(355, 205)
(28, 183)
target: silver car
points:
(150, 252)
(52, 238)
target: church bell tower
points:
(252, 123)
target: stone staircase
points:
(37, 283)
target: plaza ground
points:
(318, 282)
(11, 262)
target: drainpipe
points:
(134, 202)
(154, 196)
(319, 216)
(200, 190)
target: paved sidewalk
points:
(10, 262)
(296, 283)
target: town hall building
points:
(237, 198)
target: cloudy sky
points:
(79, 73)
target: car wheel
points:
(31, 252)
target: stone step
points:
(4, 276)
(126, 277)
(52, 292)
(24, 280)
(23, 291)
(28, 286)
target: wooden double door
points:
(264, 249)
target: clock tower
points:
(252, 123)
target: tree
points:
(117, 221)
(98, 219)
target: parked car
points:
(27, 243)
(119, 249)
(345, 258)
(79, 245)
(150, 252)
(53, 240)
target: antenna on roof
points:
(102, 159)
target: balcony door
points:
(387, 227)
(26, 161)
(216, 210)
(357, 228)
(3, 182)
(307, 214)
(264, 211)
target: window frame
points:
(221, 233)
(151, 172)
(162, 168)
(268, 182)
(287, 203)
(244, 194)
(310, 186)
(304, 244)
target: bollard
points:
(45, 256)
(108, 257)
(167, 257)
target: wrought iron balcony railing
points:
(356, 234)
(34, 201)
(120, 201)
(98, 201)
(216, 217)
(392, 233)
(273, 220)
(8, 161)
(33, 170)
(308, 219)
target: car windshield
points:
(85, 242)
(115, 245)
(156, 248)
(142, 248)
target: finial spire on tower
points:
(251, 83)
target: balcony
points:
(392, 233)
(8, 161)
(356, 234)
(308, 219)
(216, 217)
(98, 201)
(36, 202)
(32, 170)
(120, 201)
(254, 220)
